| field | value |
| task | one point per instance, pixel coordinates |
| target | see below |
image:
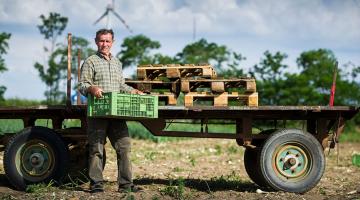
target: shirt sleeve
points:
(86, 77)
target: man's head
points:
(104, 40)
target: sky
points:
(249, 27)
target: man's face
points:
(104, 43)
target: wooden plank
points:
(151, 72)
(248, 85)
(167, 97)
(218, 86)
(149, 86)
(222, 99)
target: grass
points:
(351, 134)
(10, 125)
(8, 197)
(40, 188)
(231, 181)
(21, 102)
(175, 189)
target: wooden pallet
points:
(250, 99)
(167, 97)
(148, 86)
(173, 71)
(218, 85)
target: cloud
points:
(304, 20)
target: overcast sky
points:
(249, 27)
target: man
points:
(100, 73)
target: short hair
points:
(104, 31)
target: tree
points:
(58, 62)
(311, 86)
(52, 27)
(270, 78)
(204, 52)
(317, 68)
(234, 68)
(135, 50)
(4, 45)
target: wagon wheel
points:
(251, 163)
(292, 160)
(34, 155)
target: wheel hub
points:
(291, 161)
(37, 159)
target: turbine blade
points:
(102, 16)
(122, 20)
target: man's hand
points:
(135, 91)
(95, 91)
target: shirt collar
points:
(102, 55)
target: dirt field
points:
(200, 169)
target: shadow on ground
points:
(203, 185)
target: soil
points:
(200, 169)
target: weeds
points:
(40, 187)
(150, 155)
(178, 169)
(8, 197)
(176, 189)
(232, 181)
(155, 198)
(322, 191)
(218, 149)
(192, 161)
(232, 150)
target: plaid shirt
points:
(106, 74)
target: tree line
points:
(276, 83)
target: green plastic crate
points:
(120, 105)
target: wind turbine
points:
(110, 8)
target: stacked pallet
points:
(174, 71)
(198, 83)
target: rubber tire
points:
(53, 141)
(251, 163)
(309, 144)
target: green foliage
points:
(176, 189)
(10, 126)
(192, 161)
(7, 197)
(231, 181)
(311, 86)
(57, 70)
(135, 50)
(317, 68)
(40, 187)
(138, 131)
(52, 27)
(51, 73)
(218, 150)
(270, 79)
(4, 46)
(203, 52)
(233, 149)
(52, 77)
(234, 69)
(20, 102)
(138, 50)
